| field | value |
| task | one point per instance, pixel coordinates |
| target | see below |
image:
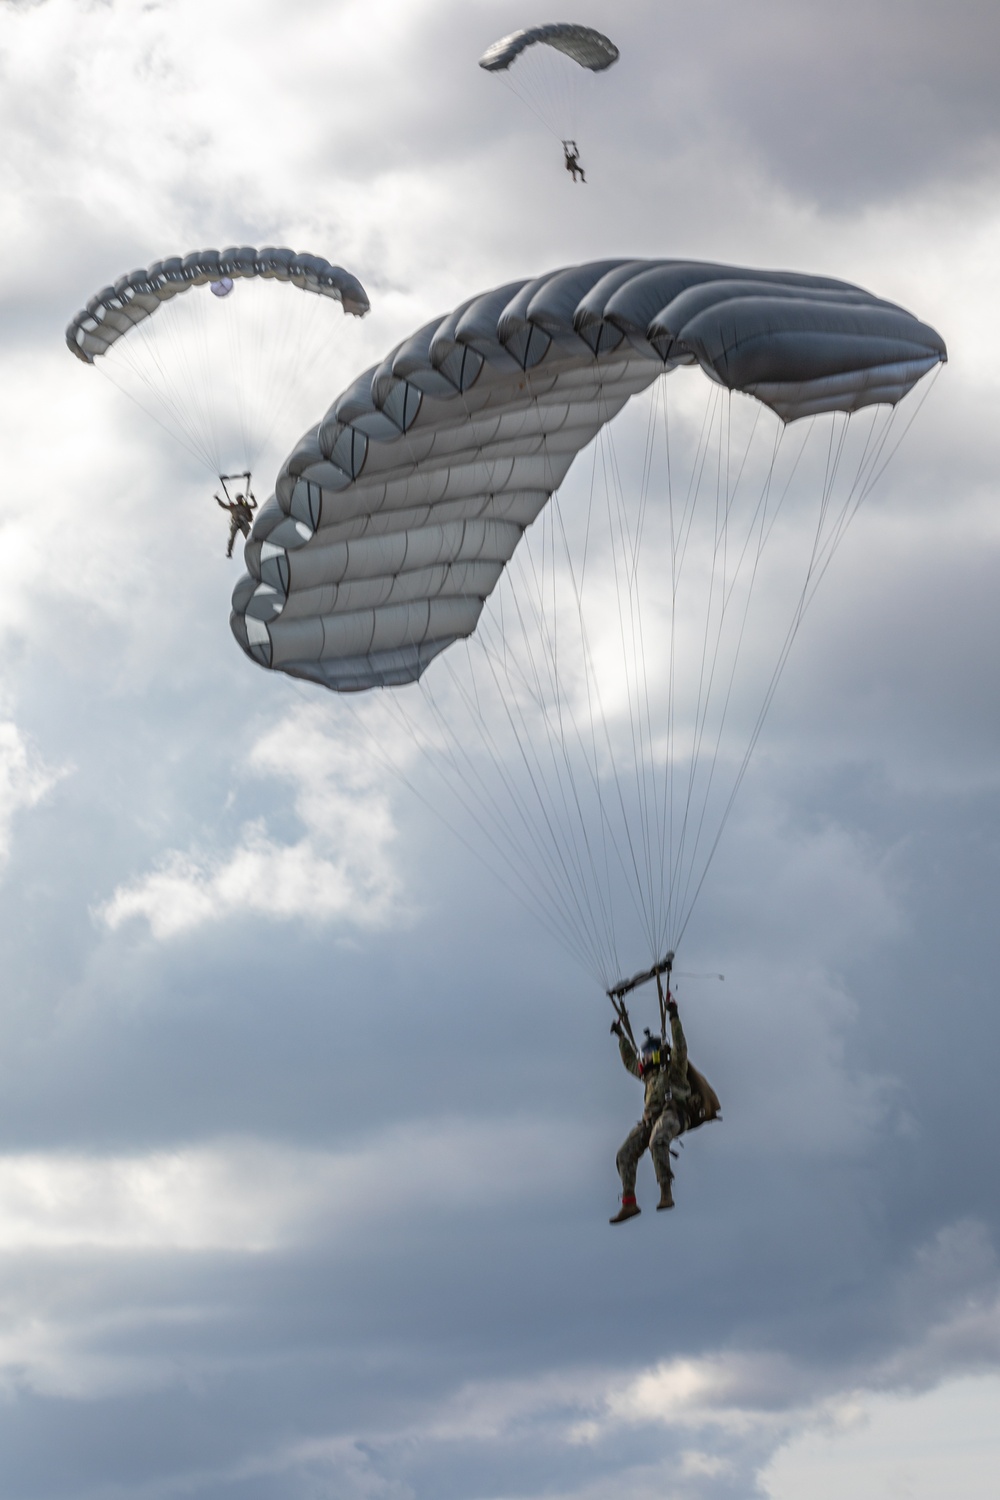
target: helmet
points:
(654, 1052)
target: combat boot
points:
(628, 1210)
(666, 1196)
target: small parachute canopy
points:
(582, 44)
(117, 309)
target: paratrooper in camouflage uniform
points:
(240, 516)
(664, 1072)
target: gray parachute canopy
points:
(582, 44)
(394, 518)
(117, 309)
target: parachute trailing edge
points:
(582, 44)
(117, 309)
(375, 554)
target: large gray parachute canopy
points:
(393, 519)
(585, 46)
(117, 309)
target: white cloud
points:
(24, 780)
(339, 870)
(230, 1197)
(944, 1442)
(252, 1196)
(207, 1198)
(735, 1399)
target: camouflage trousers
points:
(236, 525)
(655, 1136)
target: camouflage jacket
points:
(662, 1084)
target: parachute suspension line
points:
(537, 628)
(240, 364)
(873, 462)
(624, 552)
(701, 702)
(501, 832)
(548, 83)
(827, 538)
(565, 900)
(544, 685)
(185, 366)
(247, 338)
(550, 853)
(633, 657)
(546, 851)
(262, 346)
(659, 791)
(679, 841)
(681, 532)
(550, 642)
(875, 476)
(302, 339)
(655, 829)
(592, 684)
(592, 687)
(690, 897)
(859, 489)
(253, 343)
(676, 842)
(666, 844)
(521, 94)
(481, 806)
(222, 376)
(597, 711)
(374, 744)
(589, 746)
(184, 423)
(172, 432)
(543, 635)
(540, 687)
(680, 846)
(584, 897)
(755, 526)
(738, 567)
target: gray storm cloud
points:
(294, 1203)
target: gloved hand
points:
(616, 1028)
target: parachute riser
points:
(625, 986)
(618, 992)
(245, 476)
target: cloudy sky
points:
(307, 1128)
